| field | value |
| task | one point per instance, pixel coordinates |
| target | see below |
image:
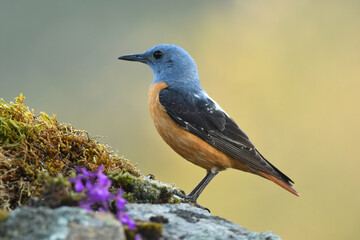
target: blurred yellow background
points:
(287, 72)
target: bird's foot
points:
(190, 199)
(199, 206)
(180, 193)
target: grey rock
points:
(184, 221)
(179, 221)
(67, 223)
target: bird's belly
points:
(186, 144)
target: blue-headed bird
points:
(194, 125)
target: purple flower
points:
(124, 218)
(78, 182)
(120, 201)
(86, 205)
(97, 196)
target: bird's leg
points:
(193, 196)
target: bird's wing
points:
(200, 115)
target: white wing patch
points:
(217, 106)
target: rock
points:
(184, 221)
(67, 223)
(158, 221)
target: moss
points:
(143, 190)
(147, 230)
(56, 192)
(38, 154)
(3, 215)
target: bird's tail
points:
(286, 186)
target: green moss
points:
(140, 189)
(3, 215)
(148, 230)
(38, 154)
(57, 192)
(32, 147)
(12, 133)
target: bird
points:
(194, 125)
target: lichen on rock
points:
(184, 221)
(42, 223)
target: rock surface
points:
(183, 221)
(67, 223)
(179, 221)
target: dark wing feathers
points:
(201, 116)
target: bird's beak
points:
(134, 57)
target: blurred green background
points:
(287, 72)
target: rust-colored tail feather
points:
(279, 182)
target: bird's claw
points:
(190, 199)
(199, 206)
(180, 193)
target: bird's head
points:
(170, 64)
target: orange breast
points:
(189, 146)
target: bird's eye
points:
(158, 54)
